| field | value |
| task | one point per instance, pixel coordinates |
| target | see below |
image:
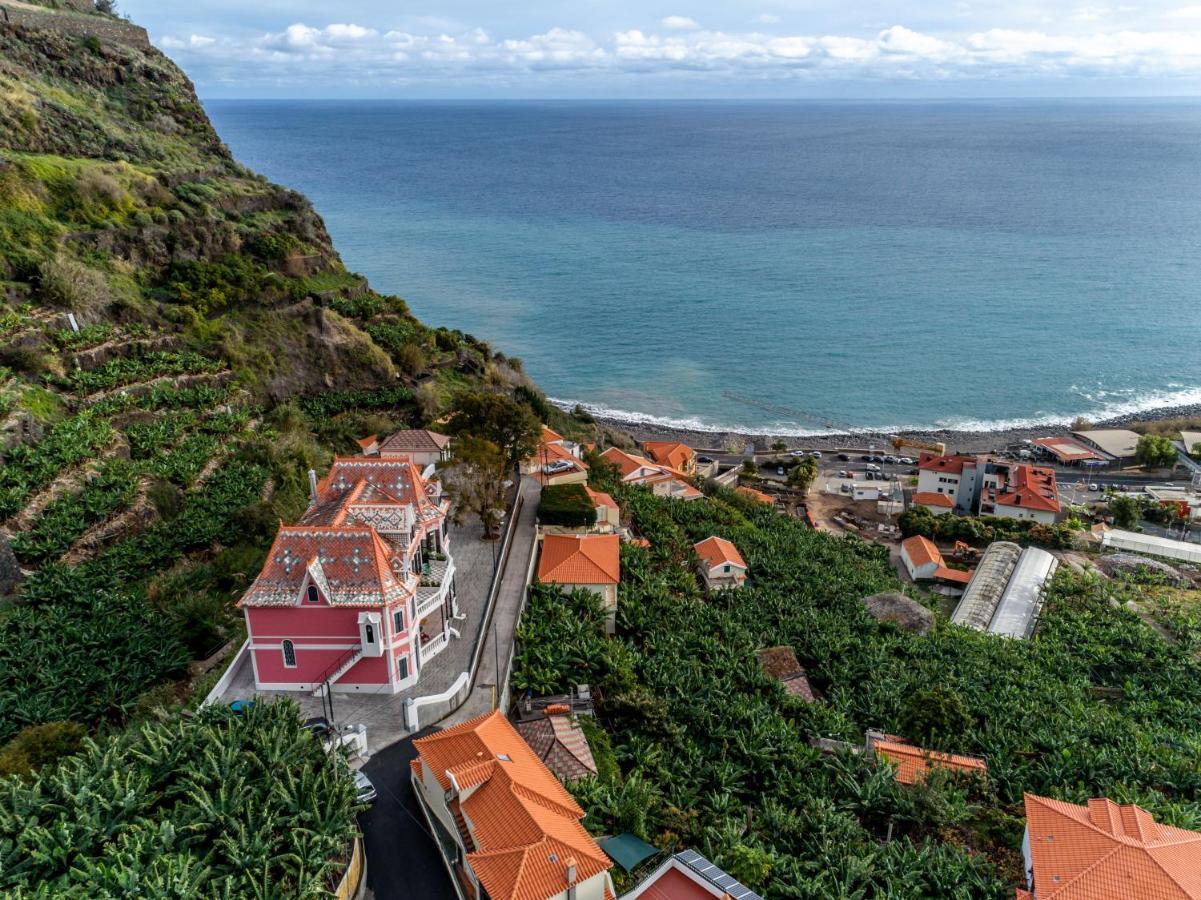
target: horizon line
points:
(866, 99)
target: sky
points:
(679, 48)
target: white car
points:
(797, 453)
(1094, 487)
(816, 454)
(366, 789)
(872, 467)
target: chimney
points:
(557, 709)
(312, 485)
(571, 871)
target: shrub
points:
(411, 359)
(66, 282)
(566, 505)
(40, 745)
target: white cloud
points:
(1184, 12)
(302, 53)
(679, 23)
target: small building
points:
(757, 496)
(1151, 544)
(1006, 591)
(914, 764)
(865, 490)
(575, 508)
(920, 557)
(938, 504)
(1068, 452)
(663, 481)
(690, 876)
(1115, 444)
(557, 739)
(506, 827)
(556, 461)
(721, 565)
(1021, 492)
(589, 561)
(608, 513)
(1186, 501)
(952, 476)
(672, 454)
(422, 446)
(781, 664)
(1106, 850)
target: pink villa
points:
(360, 594)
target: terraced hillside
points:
(179, 344)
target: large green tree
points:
(1155, 451)
(509, 424)
(475, 480)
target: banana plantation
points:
(714, 755)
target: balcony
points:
(434, 587)
(433, 647)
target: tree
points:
(917, 520)
(1155, 451)
(803, 473)
(935, 716)
(507, 423)
(1196, 451)
(1126, 511)
(778, 446)
(475, 479)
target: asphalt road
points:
(403, 861)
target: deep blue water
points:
(872, 264)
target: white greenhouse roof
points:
(1151, 544)
(1015, 616)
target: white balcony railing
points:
(433, 647)
(433, 592)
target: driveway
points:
(403, 861)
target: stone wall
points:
(99, 27)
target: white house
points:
(921, 558)
(722, 566)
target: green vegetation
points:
(27, 468)
(130, 369)
(566, 505)
(982, 530)
(714, 755)
(504, 421)
(1155, 451)
(219, 806)
(1126, 511)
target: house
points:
(506, 827)
(360, 594)
(781, 664)
(757, 496)
(1106, 850)
(672, 454)
(689, 876)
(952, 476)
(722, 566)
(913, 764)
(938, 504)
(589, 561)
(422, 446)
(1114, 444)
(557, 739)
(1020, 492)
(608, 513)
(577, 509)
(924, 562)
(556, 461)
(663, 481)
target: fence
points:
(227, 678)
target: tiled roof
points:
(913, 763)
(351, 565)
(717, 551)
(952, 465)
(930, 498)
(670, 453)
(559, 742)
(580, 559)
(1030, 487)
(921, 551)
(942, 573)
(523, 822)
(391, 482)
(600, 498)
(754, 494)
(689, 876)
(1104, 851)
(550, 436)
(1066, 449)
(417, 441)
(368, 441)
(781, 663)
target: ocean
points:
(794, 267)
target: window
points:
(726, 568)
(398, 621)
(369, 630)
(402, 667)
(289, 654)
(314, 594)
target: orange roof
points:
(717, 551)
(952, 464)
(549, 435)
(930, 498)
(1065, 449)
(366, 442)
(550, 453)
(669, 453)
(580, 559)
(1030, 487)
(754, 494)
(1104, 851)
(921, 551)
(913, 763)
(600, 498)
(523, 823)
(942, 573)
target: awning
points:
(627, 850)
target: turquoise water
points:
(784, 266)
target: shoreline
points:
(956, 440)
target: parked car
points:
(844, 457)
(905, 461)
(843, 473)
(1094, 487)
(366, 789)
(816, 454)
(704, 460)
(872, 467)
(865, 458)
(869, 475)
(890, 458)
(320, 726)
(845, 488)
(797, 453)
(877, 459)
(779, 470)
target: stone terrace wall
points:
(103, 29)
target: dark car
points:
(320, 726)
(704, 460)
(865, 458)
(844, 457)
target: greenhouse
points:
(984, 591)
(1151, 544)
(1016, 615)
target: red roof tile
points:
(1030, 487)
(1104, 851)
(914, 763)
(953, 464)
(580, 559)
(942, 573)
(930, 498)
(717, 551)
(921, 551)
(670, 453)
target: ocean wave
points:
(1103, 405)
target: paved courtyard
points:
(383, 714)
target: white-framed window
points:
(314, 595)
(289, 654)
(369, 632)
(726, 568)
